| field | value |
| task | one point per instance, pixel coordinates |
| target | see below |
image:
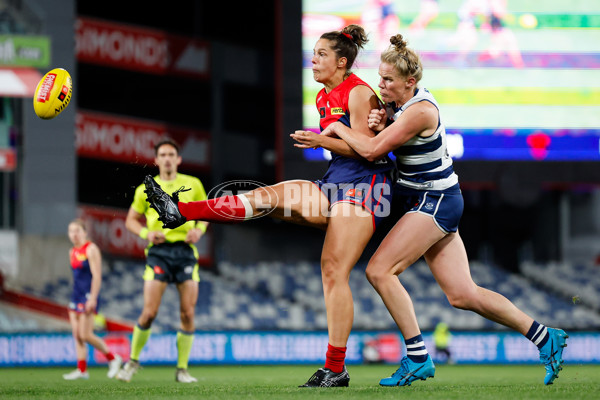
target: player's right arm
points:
(133, 223)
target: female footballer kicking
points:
(348, 202)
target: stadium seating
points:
(14, 319)
(578, 281)
(285, 296)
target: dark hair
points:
(404, 59)
(347, 42)
(168, 141)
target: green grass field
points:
(280, 382)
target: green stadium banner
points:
(24, 51)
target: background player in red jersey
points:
(86, 263)
(347, 202)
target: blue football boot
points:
(551, 354)
(409, 372)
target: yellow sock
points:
(138, 341)
(184, 348)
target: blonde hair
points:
(405, 60)
(80, 222)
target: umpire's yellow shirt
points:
(141, 206)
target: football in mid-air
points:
(53, 93)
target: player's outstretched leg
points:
(324, 377)
(165, 205)
(551, 354)
(409, 372)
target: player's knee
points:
(377, 273)
(87, 336)
(187, 315)
(147, 317)
(461, 300)
(465, 297)
(331, 270)
(77, 337)
(374, 275)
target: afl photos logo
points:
(227, 196)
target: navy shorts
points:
(372, 192)
(78, 300)
(444, 206)
(172, 263)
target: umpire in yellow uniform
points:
(171, 257)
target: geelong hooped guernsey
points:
(423, 162)
(333, 106)
(82, 274)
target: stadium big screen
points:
(516, 79)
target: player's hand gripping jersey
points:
(332, 107)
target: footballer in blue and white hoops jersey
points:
(423, 162)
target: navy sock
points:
(415, 349)
(538, 334)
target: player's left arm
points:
(312, 140)
(419, 119)
(194, 234)
(95, 260)
(360, 102)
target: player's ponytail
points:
(347, 43)
(406, 61)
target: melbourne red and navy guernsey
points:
(82, 274)
(333, 106)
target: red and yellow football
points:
(53, 93)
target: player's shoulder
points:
(189, 179)
(424, 94)
(362, 91)
(139, 190)
(92, 247)
(363, 94)
(354, 79)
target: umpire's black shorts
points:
(172, 263)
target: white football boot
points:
(76, 374)
(182, 375)
(114, 366)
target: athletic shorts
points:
(172, 263)
(78, 300)
(444, 206)
(372, 192)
